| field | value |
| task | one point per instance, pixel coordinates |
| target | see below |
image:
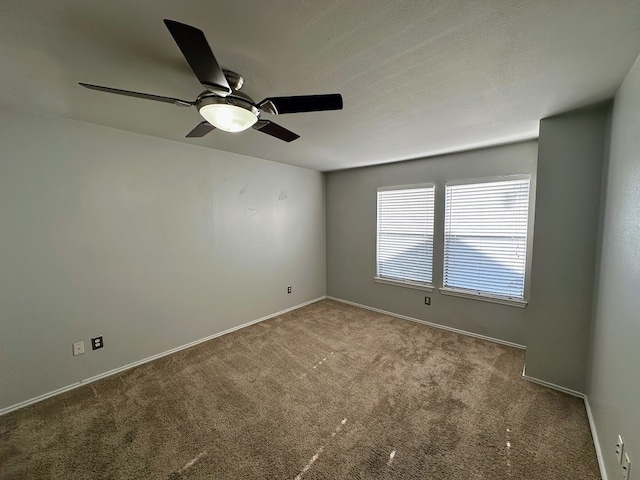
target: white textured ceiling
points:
(417, 77)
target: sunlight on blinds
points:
(405, 234)
(485, 239)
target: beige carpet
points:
(328, 391)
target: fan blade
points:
(146, 96)
(196, 50)
(275, 130)
(302, 103)
(201, 130)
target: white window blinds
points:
(405, 234)
(486, 237)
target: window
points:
(485, 238)
(405, 235)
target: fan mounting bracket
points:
(234, 79)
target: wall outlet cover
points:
(619, 448)
(626, 467)
(97, 343)
(78, 348)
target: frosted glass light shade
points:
(229, 118)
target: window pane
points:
(405, 234)
(486, 237)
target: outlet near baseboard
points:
(78, 348)
(626, 467)
(619, 448)
(97, 343)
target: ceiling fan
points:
(222, 104)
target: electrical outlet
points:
(619, 449)
(78, 348)
(289, 289)
(427, 300)
(97, 343)
(626, 467)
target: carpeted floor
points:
(328, 391)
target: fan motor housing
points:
(236, 98)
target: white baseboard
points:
(594, 433)
(553, 386)
(39, 398)
(592, 425)
(596, 442)
(430, 324)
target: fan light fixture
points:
(222, 105)
(227, 116)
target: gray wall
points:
(614, 381)
(351, 238)
(150, 243)
(570, 163)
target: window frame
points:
(484, 296)
(408, 283)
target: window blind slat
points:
(405, 234)
(486, 237)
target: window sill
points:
(400, 283)
(484, 297)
